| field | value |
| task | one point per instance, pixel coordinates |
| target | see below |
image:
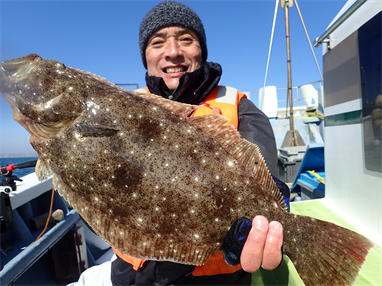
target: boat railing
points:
(297, 98)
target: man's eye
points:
(186, 41)
(156, 43)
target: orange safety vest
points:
(222, 100)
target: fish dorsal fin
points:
(245, 152)
(175, 106)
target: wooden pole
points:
(290, 96)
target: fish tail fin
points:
(324, 253)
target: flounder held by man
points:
(155, 182)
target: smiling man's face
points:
(171, 52)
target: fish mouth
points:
(13, 71)
(19, 67)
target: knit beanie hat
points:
(170, 13)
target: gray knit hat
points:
(170, 13)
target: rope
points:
(47, 221)
(315, 113)
(270, 46)
(321, 179)
(307, 36)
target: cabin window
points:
(370, 58)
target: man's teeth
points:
(177, 69)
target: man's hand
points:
(263, 245)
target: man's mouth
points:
(174, 69)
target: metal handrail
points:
(337, 23)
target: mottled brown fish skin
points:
(154, 183)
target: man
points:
(174, 52)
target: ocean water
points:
(18, 172)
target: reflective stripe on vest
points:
(226, 99)
(226, 94)
(143, 90)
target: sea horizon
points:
(18, 155)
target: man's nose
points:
(173, 49)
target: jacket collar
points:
(193, 87)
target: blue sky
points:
(102, 37)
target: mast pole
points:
(293, 142)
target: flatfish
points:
(155, 182)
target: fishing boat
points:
(36, 250)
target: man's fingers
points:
(272, 255)
(252, 254)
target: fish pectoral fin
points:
(97, 131)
